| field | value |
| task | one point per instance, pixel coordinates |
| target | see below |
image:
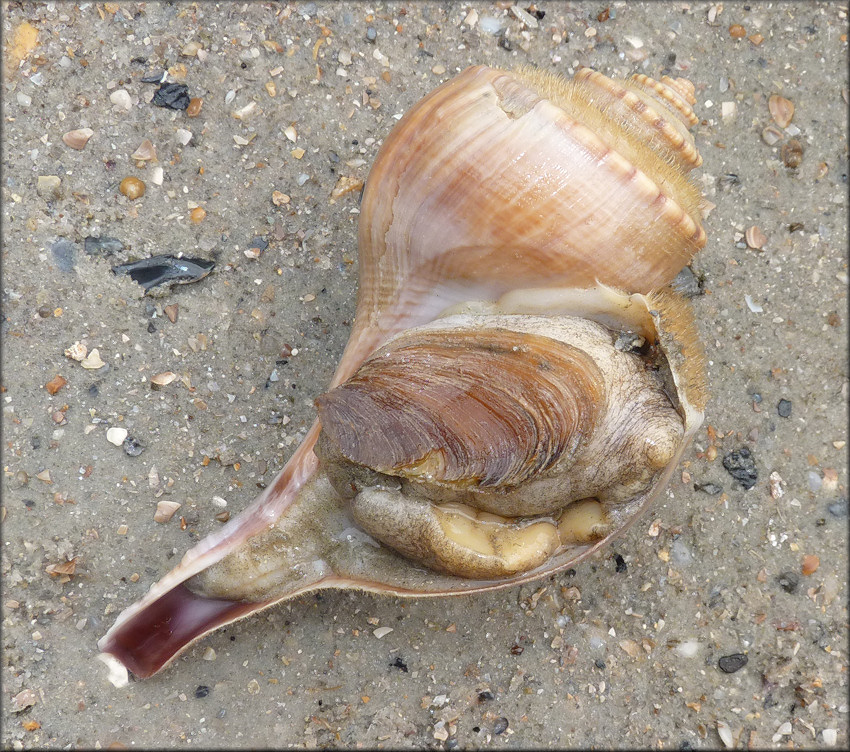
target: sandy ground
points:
(607, 655)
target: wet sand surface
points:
(720, 618)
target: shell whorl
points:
(500, 179)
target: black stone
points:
(500, 726)
(788, 581)
(729, 664)
(620, 563)
(399, 664)
(485, 695)
(259, 243)
(173, 96)
(202, 691)
(783, 407)
(740, 465)
(506, 44)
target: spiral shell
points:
(519, 383)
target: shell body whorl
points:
(503, 179)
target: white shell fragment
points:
(116, 435)
(165, 511)
(145, 152)
(382, 632)
(77, 351)
(93, 361)
(183, 136)
(290, 133)
(121, 98)
(163, 379)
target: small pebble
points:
(729, 664)
(792, 153)
(194, 107)
(788, 581)
(116, 435)
(197, 215)
(489, 25)
(133, 447)
(102, 246)
(712, 489)
(740, 465)
(64, 254)
(736, 31)
(810, 564)
(121, 98)
(132, 188)
(830, 737)
(500, 726)
(55, 384)
(838, 508)
(783, 407)
(173, 96)
(382, 632)
(49, 187)
(814, 481)
(171, 312)
(371, 34)
(202, 691)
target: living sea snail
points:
(520, 380)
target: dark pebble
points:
(399, 664)
(151, 328)
(259, 243)
(485, 695)
(500, 726)
(29, 503)
(93, 390)
(202, 691)
(788, 581)
(620, 564)
(173, 96)
(784, 408)
(102, 246)
(740, 465)
(757, 398)
(729, 664)
(838, 508)
(712, 489)
(506, 44)
(687, 283)
(133, 447)
(45, 312)
(371, 34)
(65, 254)
(599, 663)
(516, 649)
